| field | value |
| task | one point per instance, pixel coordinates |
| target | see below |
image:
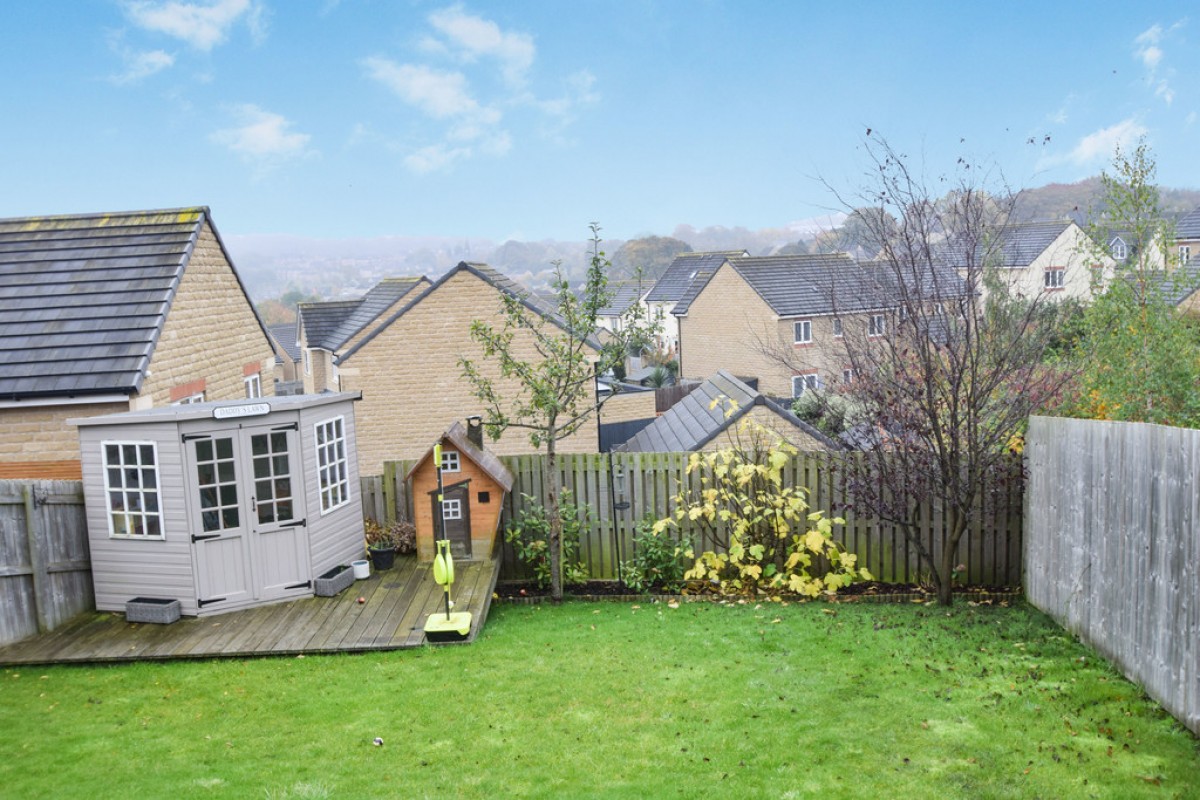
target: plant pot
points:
(382, 558)
(333, 581)
(362, 569)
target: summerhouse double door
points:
(249, 540)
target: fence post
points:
(37, 564)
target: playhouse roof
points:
(484, 459)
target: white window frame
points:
(307, 361)
(802, 383)
(332, 463)
(1055, 278)
(198, 397)
(1185, 254)
(876, 325)
(125, 491)
(452, 509)
(802, 331)
(451, 462)
(838, 329)
(253, 385)
(1118, 250)
(847, 375)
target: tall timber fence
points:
(45, 570)
(1113, 547)
(623, 488)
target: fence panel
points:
(45, 570)
(1113, 549)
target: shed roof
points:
(483, 458)
(701, 416)
(83, 297)
(674, 283)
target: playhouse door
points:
(278, 530)
(456, 515)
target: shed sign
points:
(236, 412)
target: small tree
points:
(548, 363)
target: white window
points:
(939, 309)
(452, 509)
(847, 375)
(876, 325)
(450, 461)
(1118, 250)
(802, 331)
(198, 397)
(332, 471)
(1185, 254)
(307, 362)
(801, 383)
(837, 326)
(1055, 278)
(253, 385)
(131, 489)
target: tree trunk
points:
(945, 586)
(554, 510)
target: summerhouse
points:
(221, 505)
(474, 485)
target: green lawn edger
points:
(451, 626)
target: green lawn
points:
(617, 700)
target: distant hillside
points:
(1079, 200)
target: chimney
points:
(475, 431)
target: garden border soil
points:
(873, 593)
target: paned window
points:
(837, 326)
(876, 325)
(1055, 278)
(198, 397)
(1118, 250)
(332, 472)
(1185, 254)
(216, 482)
(803, 331)
(452, 509)
(847, 375)
(802, 383)
(272, 477)
(450, 462)
(253, 385)
(131, 489)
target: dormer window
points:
(1118, 250)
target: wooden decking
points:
(398, 601)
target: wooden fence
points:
(1113, 549)
(622, 488)
(45, 570)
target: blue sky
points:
(528, 120)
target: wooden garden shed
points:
(474, 485)
(221, 505)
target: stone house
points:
(673, 284)
(408, 371)
(324, 331)
(102, 313)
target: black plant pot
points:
(383, 558)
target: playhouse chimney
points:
(475, 431)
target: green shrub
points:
(529, 534)
(658, 560)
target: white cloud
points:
(439, 94)
(1164, 90)
(435, 157)
(142, 65)
(261, 136)
(202, 25)
(1145, 46)
(476, 37)
(1103, 143)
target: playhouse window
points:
(450, 461)
(451, 509)
(332, 471)
(131, 489)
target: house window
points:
(847, 375)
(451, 509)
(198, 397)
(837, 326)
(876, 325)
(332, 472)
(484, 497)
(802, 331)
(253, 385)
(1055, 278)
(1185, 254)
(131, 489)
(307, 362)
(939, 309)
(450, 461)
(802, 383)
(1118, 250)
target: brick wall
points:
(210, 333)
(412, 384)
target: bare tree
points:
(947, 363)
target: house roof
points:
(485, 459)
(487, 274)
(83, 298)
(329, 325)
(624, 295)
(702, 415)
(674, 283)
(1188, 225)
(285, 335)
(1175, 286)
(1015, 246)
